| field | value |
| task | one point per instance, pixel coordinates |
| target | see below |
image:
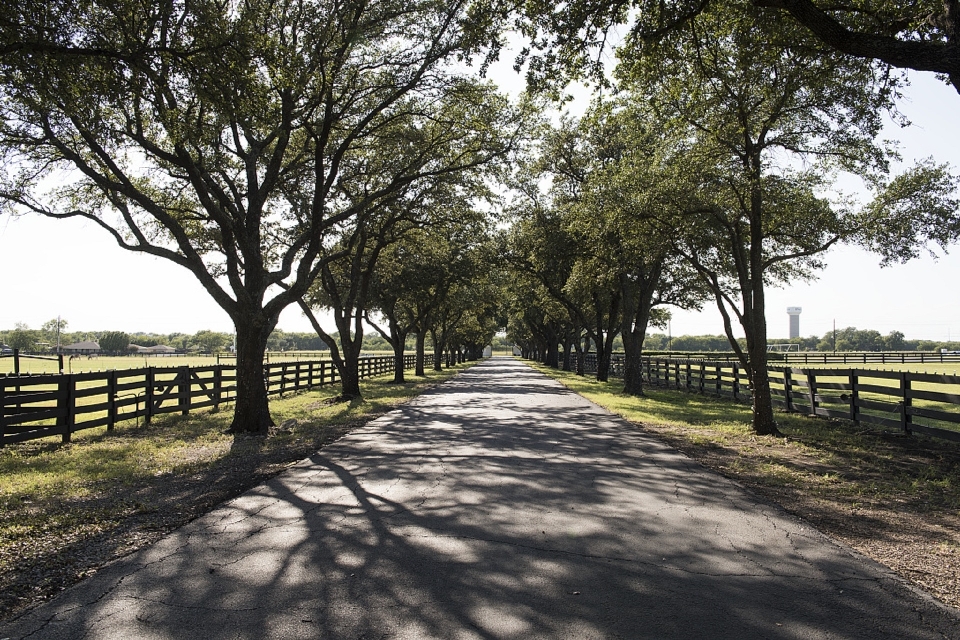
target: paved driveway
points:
(496, 506)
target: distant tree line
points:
(45, 339)
(847, 339)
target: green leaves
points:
(919, 206)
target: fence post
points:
(719, 380)
(787, 383)
(310, 375)
(3, 418)
(183, 390)
(812, 390)
(71, 417)
(111, 399)
(905, 418)
(736, 382)
(689, 380)
(703, 375)
(148, 396)
(217, 387)
(854, 396)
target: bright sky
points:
(73, 269)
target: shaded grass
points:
(65, 509)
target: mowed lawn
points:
(79, 364)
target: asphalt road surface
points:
(498, 505)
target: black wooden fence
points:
(925, 403)
(37, 406)
(866, 357)
(822, 357)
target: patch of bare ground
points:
(891, 498)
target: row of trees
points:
(274, 149)
(341, 156)
(704, 179)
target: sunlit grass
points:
(81, 364)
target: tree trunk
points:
(582, 348)
(252, 413)
(398, 364)
(755, 307)
(399, 346)
(605, 335)
(350, 377)
(603, 365)
(764, 423)
(349, 366)
(553, 354)
(438, 349)
(637, 299)
(567, 347)
(763, 420)
(421, 353)
(632, 365)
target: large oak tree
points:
(763, 121)
(233, 139)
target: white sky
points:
(72, 269)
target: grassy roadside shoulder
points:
(895, 499)
(65, 510)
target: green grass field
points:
(106, 363)
(940, 368)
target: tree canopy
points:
(570, 37)
(240, 141)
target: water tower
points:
(794, 313)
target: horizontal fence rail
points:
(38, 406)
(866, 357)
(926, 403)
(821, 357)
